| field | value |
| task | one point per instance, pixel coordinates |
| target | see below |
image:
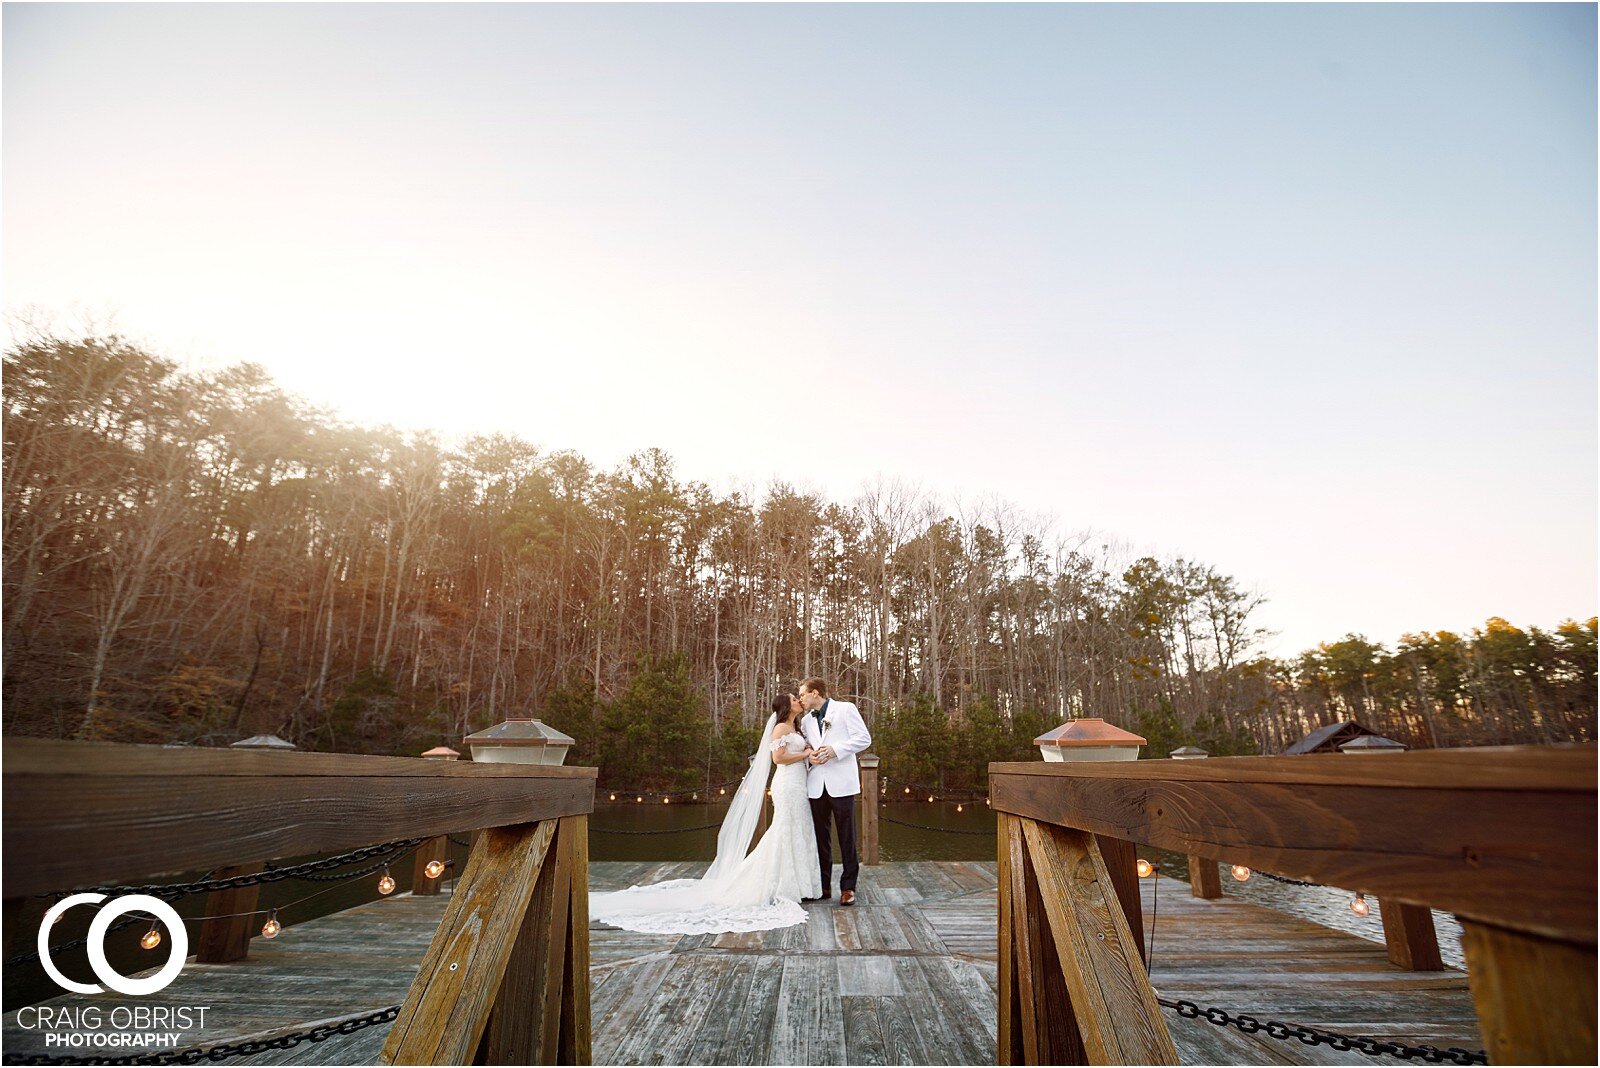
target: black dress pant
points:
(826, 810)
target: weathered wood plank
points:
(447, 1008)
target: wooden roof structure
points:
(1328, 738)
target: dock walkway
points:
(907, 976)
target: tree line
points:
(192, 557)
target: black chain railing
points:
(655, 830)
(1311, 1036)
(1316, 1036)
(1285, 879)
(929, 827)
(206, 884)
(173, 891)
(223, 1051)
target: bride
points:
(740, 892)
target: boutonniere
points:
(827, 724)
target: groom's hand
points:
(826, 752)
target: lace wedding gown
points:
(754, 892)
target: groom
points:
(837, 732)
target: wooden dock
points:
(907, 976)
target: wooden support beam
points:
(576, 1045)
(1535, 996)
(433, 849)
(868, 763)
(1111, 1001)
(446, 1010)
(1045, 1032)
(1008, 1041)
(225, 940)
(1122, 863)
(1205, 881)
(525, 1022)
(1409, 936)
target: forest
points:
(196, 557)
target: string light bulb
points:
(434, 869)
(666, 800)
(908, 789)
(271, 928)
(1241, 873)
(930, 799)
(613, 797)
(152, 937)
(386, 882)
(723, 790)
(958, 808)
(638, 800)
(1359, 905)
(1145, 868)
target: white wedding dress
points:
(757, 891)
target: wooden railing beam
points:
(90, 813)
(1504, 836)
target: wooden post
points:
(1409, 936)
(576, 1045)
(1535, 996)
(1204, 879)
(433, 849)
(227, 940)
(868, 763)
(524, 1026)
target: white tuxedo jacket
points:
(847, 733)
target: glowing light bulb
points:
(386, 883)
(1359, 905)
(271, 928)
(958, 808)
(638, 800)
(723, 790)
(930, 799)
(434, 869)
(613, 797)
(1145, 868)
(666, 800)
(908, 789)
(1241, 873)
(986, 802)
(151, 939)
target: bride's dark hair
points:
(782, 706)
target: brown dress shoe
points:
(847, 897)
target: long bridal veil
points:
(711, 903)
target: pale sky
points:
(1306, 292)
